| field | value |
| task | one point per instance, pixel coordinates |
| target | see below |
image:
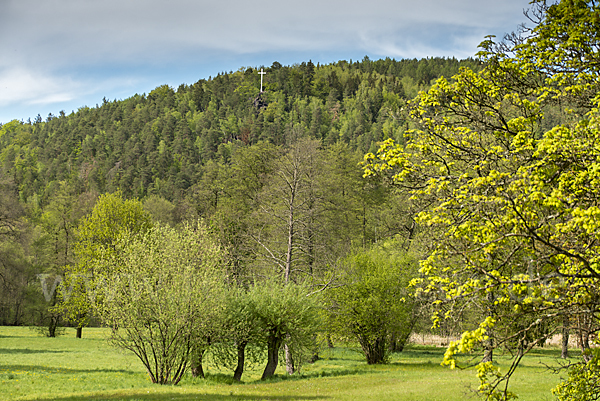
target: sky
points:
(65, 54)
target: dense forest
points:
(159, 143)
(219, 150)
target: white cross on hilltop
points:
(261, 78)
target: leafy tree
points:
(160, 209)
(111, 218)
(241, 331)
(512, 202)
(159, 295)
(17, 277)
(58, 223)
(234, 201)
(373, 302)
(284, 312)
(288, 215)
(19, 259)
(98, 234)
(583, 381)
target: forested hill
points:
(157, 143)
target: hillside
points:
(157, 143)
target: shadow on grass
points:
(49, 369)
(227, 379)
(13, 337)
(422, 350)
(312, 375)
(185, 397)
(430, 364)
(29, 351)
(550, 352)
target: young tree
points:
(59, 224)
(160, 209)
(240, 329)
(98, 234)
(373, 302)
(513, 203)
(288, 214)
(284, 312)
(236, 200)
(159, 296)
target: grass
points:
(67, 369)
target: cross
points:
(261, 78)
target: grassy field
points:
(33, 367)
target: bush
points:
(158, 294)
(373, 302)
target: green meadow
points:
(33, 367)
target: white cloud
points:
(415, 41)
(26, 92)
(29, 87)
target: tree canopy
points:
(111, 219)
(157, 143)
(503, 167)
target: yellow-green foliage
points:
(111, 220)
(161, 296)
(583, 383)
(513, 203)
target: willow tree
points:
(505, 166)
(160, 297)
(284, 313)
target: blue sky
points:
(64, 54)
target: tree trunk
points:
(488, 345)
(273, 344)
(289, 360)
(402, 340)
(52, 326)
(78, 332)
(364, 226)
(404, 335)
(393, 345)
(197, 370)
(315, 355)
(54, 319)
(564, 354)
(583, 336)
(488, 349)
(374, 349)
(488, 352)
(585, 340)
(290, 244)
(241, 357)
